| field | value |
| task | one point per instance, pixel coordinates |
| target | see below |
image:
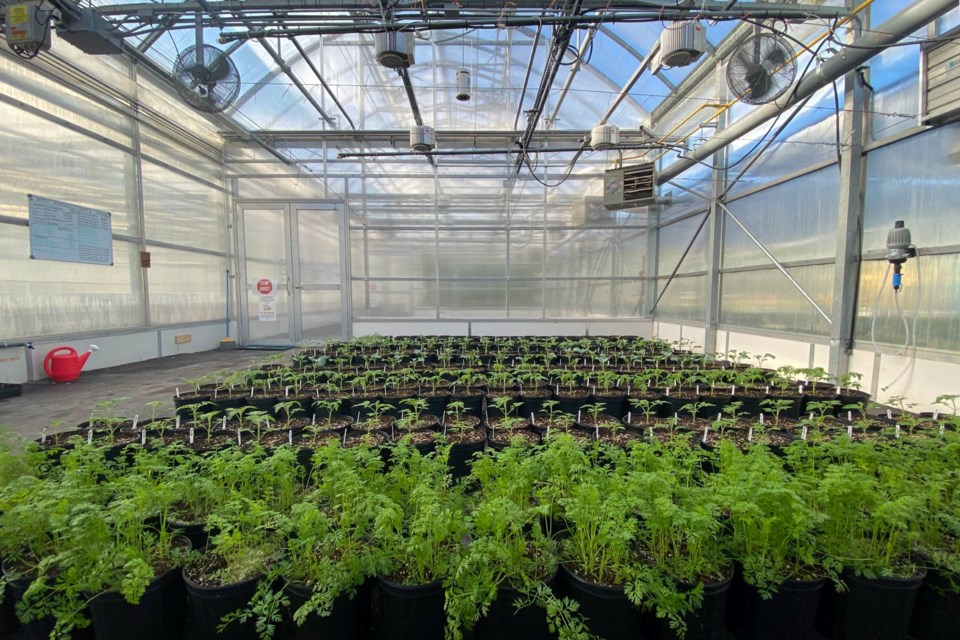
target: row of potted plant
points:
(598, 540)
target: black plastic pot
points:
(791, 614)
(194, 532)
(532, 404)
(411, 612)
(570, 404)
(436, 405)
(608, 612)
(160, 613)
(936, 612)
(38, 629)
(461, 457)
(349, 617)
(9, 624)
(505, 622)
(472, 403)
(874, 609)
(709, 622)
(614, 402)
(207, 605)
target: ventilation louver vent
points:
(941, 82)
(629, 187)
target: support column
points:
(715, 232)
(849, 224)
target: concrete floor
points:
(61, 406)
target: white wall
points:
(642, 328)
(19, 365)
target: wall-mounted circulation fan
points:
(206, 78)
(762, 69)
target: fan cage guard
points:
(210, 88)
(762, 69)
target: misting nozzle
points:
(94, 347)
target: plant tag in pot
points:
(706, 434)
(897, 431)
(650, 429)
(143, 437)
(850, 430)
(889, 414)
(178, 392)
(136, 420)
(177, 424)
(941, 429)
(803, 434)
(936, 415)
(761, 419)
(43, 435)
(629, 417)
(224, 427)
(750, 435)
(290, 437)
(191, 435)
(89, 436)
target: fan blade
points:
(219, 66)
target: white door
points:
(297, 253)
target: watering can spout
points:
(83, 358)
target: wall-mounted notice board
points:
(69, 233)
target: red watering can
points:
(63, 364)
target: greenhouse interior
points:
(444, 319)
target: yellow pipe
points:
(725, 107)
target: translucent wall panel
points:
(186, 286)
(674, 239)
(796, 220)
(39, 297)
(594, 298)
(466, 254)
(46, 159)
(473, 298)
(157, 146)
(766, 300)
(914, 180)
(397, 254)
(525, 298)
(182, 211)
(698, 179)
(395, 299)
(684, 299)
(526, 253)
(810, 138)
(895, 77)
(938, 324)
(53, 97)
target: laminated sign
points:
(267, 289)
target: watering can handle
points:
(48, 360)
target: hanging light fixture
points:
(463, 85)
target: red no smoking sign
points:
(264, 286)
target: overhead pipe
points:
(296, 81)
(558, 48)
(326, 87)
(574, 70)
(760, 12)
(847, 60)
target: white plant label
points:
(239, 440)
(706, 434)
(941, 429)
(191, 435)
(629, 417)
(136, 420)
(889, 414)
(143, 437)
(43, 435)
(89, 436)
(178, 392)
(650, 429)
(750, 435)
(803, 434)
(761, 419)
(936, 415)
(290, 437)
(850, 430)
(849, 416)
(897, 432)
(177, 424)
(801, 389)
